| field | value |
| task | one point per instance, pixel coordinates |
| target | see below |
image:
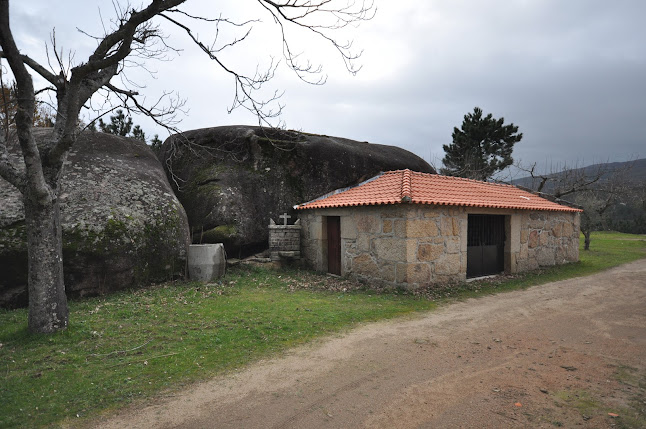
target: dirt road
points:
(562, 354)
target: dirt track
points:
(561, 354)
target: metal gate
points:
(334, 245)
(485, 245)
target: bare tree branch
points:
(130, 40)
(24, 115)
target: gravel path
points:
(560, 354)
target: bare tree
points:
(563, 180)
(134, 37)
(595, 188)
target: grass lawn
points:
(131, 345)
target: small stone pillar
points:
(285, 240)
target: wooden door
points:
(485, 245)
(334, 245)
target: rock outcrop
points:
(233, 179)
(122, 225)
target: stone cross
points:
(285, 217)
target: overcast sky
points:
(570, 74)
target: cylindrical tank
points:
(206, 262)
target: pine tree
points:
(482, 147)
(121, 125)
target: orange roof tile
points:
(403, 186)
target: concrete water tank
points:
(206, 262)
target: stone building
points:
(409, 229)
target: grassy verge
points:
(134, 344)
(131, 345)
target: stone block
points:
(453, 244)
(533, 239)
(567, 230)
(363, 243)
(387, 272)
(512, 230)
(448, 264)
(349, 227)
(429, 252)
(546, 257)
(446, 227)
(316, 229)
(391, 211)
(449, 226)
(411, 250)
(537, 220)
(387, 226)
(544, 238)
(513, 263)
(557, 230)
(523, 251)
(572, 252)
(463, 264)
(421, 228)
(390, 249)
(364, 264)
(367, 223)
(524, 235)
(400, 228)
(456, 226)
(431, 214)
(419, 273)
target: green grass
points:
(131, 345)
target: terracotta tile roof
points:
(405, 186)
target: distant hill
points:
(635, 173)
(628, 214)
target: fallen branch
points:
(142, 360)
(118, 351)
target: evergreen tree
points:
(121, 125)
(156, 143)
(482, 147)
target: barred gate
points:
(485, 245)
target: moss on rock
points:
(122, 225)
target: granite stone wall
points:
(418, 245)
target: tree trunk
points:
(48, 310)
(586, 245)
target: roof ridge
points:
(406, 191)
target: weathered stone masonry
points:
(412, 245)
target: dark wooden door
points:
(485, 245)
(334, 245)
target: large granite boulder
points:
(233, 179)
(122, 225)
